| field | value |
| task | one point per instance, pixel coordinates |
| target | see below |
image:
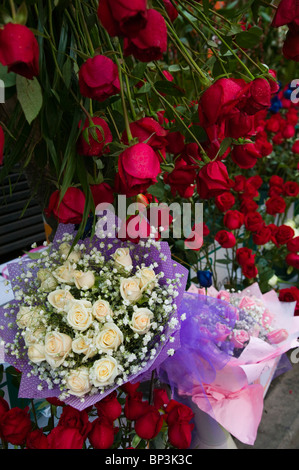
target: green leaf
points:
(224, 146)
(30, 96)
(9, 78)
(22, 14)
(250, 38)
(157, 190)
(169, 88)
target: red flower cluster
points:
(144, 30)
(290, 294)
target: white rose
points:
(79, 315)
(65, 273)
(28, 316)
(84, 345)
(78, 382)
(109, 338)
(141, 320)
(130, 289)
(36, 353)
(60, 299)
(122, 258)
(43, 274)
(48, 284)
(101, 309)
(57, 347)
(147, 278)
(84, 280)
(33, 336)
(64, 250)
(104, 371)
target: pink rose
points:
(223, 331)
(239, 338)
(246, 302)
(277, 336)
(223, 295)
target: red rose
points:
(289, 131)
(178, 417)
(175, 142)
(291, 45)
(275, 205)
(225, 239)
(101, 435)
(181, 179)
(248, 205)
(98, 78)
(2, 141)
(4, 406)
(258, 97)
(138, 168)
(160, 398)
(109, 407)
(121, 18)
(212, 180)
(37, 440)
(239, 183)
(253, 221)
(276, 180)
(225, 201)
(244, 256)
(249, 270)
(151, 42)
(292, 259)
(219, 100)
(284, 234)
(295, 148)
(262, 236)
(55, 402)
(101, 193)
(73, 418)
(190, 153)
(135, 406)
(239, 125)
(65, 438)
(94, 137)
(263, 146)
(233, 219)
(19, 50)
(147, 130)
(290, 294)
(245, 156)
(255, 181)
(287, 12)
(70, 210)
(172, 12)
(293, 245)
(291, 189)
(149, 424)
(275, 191)
(130, 388)
(16, 425)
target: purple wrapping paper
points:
(28, 386)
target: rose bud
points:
(212, 180)
(275, 205)
(151, 42)
(225, 239)
(262, 236)
(244, 255)
(149, 424)
(65, 438)
(98, 78)
(94, 137)
(138, 168)
(70, 209)
(109, 407)
(225, 201)
(249, 270)
(284, 234)
(19, 50)
(172, 12)
(245, 156)
(121, 18)
(253, 221)
(291, 189)
(16, 425)
(292, 259)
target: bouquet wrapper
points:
(28, 387)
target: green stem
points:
(123, 102)
(13, 9)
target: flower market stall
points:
(160, 140)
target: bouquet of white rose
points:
(85, 321)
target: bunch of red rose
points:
(287, 14)
(290, 294)
(149, 419)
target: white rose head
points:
(79, 315)
(36, 353)
(122, 258)
(60, 299)
(101, 309)
(65, 273)
(104, 371)
(109, 338)
(130, 289)
(84, 280)
(73, 256)
(147, 278)
(78, 382)
(84, 345)
(57, 347)
(141, 320)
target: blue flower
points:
(205, 278)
